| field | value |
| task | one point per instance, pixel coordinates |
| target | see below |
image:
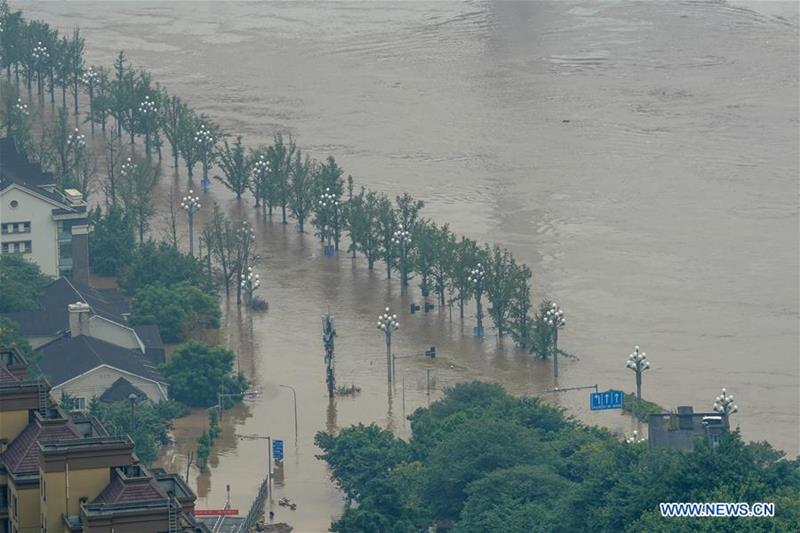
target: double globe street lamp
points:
(402, 238)
(637, 361)
(388, 324)
(191, 204)
(475, 279)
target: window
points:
(3, 498)
(15, 227)
(17, 247)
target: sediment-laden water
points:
(641, 157)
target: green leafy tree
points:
(465, 256)
(280, 156)
(387, 225)
(148, 426)
(235, 167)
(197, 372)
(176, 310)
(111, 242)
(172, 110)
(21, 283)
(162, 264)
(301, 187)
(503, 281)
(361, 216)
(10, 337)
(137, 180)
(329, 180)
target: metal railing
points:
(257, 509)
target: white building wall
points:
(97, 381)
(114, 333)
(44, 231)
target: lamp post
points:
(90, 79)
(554, 317)
(635, 439)
(132, 399)
(401, 239)
(205, 139)
(475, 278)
(251, 281)
(328, 207)
(40, 56)
(191, 204)
(294, 397)
(148, 111)
(76, 142)
(637, 361)
(261, 171)
(723, 404)
(387, 322)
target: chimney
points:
(78, 319)
(80, 254)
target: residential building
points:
(683, 429)
(67, 306)
(87, 367)
(63, 472)
(37, 220)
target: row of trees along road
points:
(124, 102)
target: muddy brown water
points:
(642, 158)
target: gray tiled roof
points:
(52, 315)
(120, 391)
(68, 357)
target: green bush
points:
(149, 428)
(162, 264)
(197, 372)
(21, 283)
(641, 409)
(111, 242)
(175, 310)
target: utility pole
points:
(328, 334)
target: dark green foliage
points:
(21, 283)
(197, 372)
(111, 242)
(175, 310)
(149, 428)
(641, 409)
(480, 460)
(10, 338)
(162, 264)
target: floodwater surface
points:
(641, 158)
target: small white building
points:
(48, 227)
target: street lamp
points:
(723, 404)
(475, 278)
(387, 322)
(294, 397)
(401, 239)
(40, 56)
(148, 110)
(261, 171)
(635, 439)
(637, 361)
(251, 281)
(76, 142)
(554, 317)
(90, 78)
(328, 206)
(205, 139)
(191, 204)
(132, 399)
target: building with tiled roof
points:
(66, 306)
(37, 220)
(63, 472)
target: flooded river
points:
(642, 158)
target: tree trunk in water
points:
(64, 97)
(283, 214)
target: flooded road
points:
(641, 158)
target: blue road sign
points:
(277, 450)
(610, 399)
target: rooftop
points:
(67, 357)
(52, 315)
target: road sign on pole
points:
(277, 449)
(610, 399)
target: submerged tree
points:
(235, 167)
